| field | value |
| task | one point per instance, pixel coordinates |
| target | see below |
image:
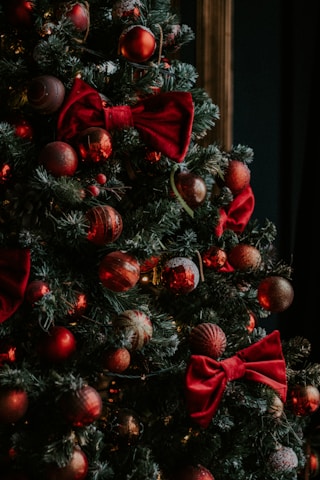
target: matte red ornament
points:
(105, 225)
(35, 291)
(192, 188)
(275, 293)
(116, 359)
(137, 43)
(81, 407)
(76, 469)
(303, 400)
(136, 327)
(214, 258)
(79, 16)
(14, 404)
(56, 345)
(244, 257)
(180, 275)
(95, 145)
(119, 271)
(46, 94)
(59, 159)
(191, 472)
(208, 339)
(237, 176)
(19, 12)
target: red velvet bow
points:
(206, 378)
(237, 215)
(164, 121)
(14, 275)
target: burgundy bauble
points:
(81, 407)
(105, 225)
(137, 43)
(59, 159)
(56, 345)
(76, 469)
(191, 187)
(95, 145)
(119, 271)
(19, 12)
(208, 339)
(275, 293)
(45, 94)
(180, 275)
(191, 472)
(35, 290)
(116, 359)
(244, 257)
(214, 258)
(237, 176)
(14, 404)
(79, 15)
(303, 400)
(136, 327)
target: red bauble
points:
(137, 43)
(56, 345)
(136, 328)
(303, 400)
(35, 291)
(46, 94)
(95, 145)
(208, 339)
(192, 188)
(93, 190)
(81, 407)
(194, 473)
(214, 258)
(79, 15)
(101, 178)
(76, 469)
(116, 359)
(19, 12)
(59, 159)
(244, 257)
(119, 271)
(237, 176)
(275, 293)
(105, 225)
(13, 404)
(180, 275)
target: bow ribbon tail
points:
(237, 215)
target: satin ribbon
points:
(164, 121)
(206, 378)
(14, 276)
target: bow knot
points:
(233, 368)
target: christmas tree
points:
(133, 275)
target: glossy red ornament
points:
(76, 469)
(81, 407)
(116, 359)
(275, 293)
(19, 12)
(137, 43)
(79, 15)
(46, 94)
(14, 404)
(93, 190)
(36, 290)
(207, 339)
(101, 178)
(214, 258)
(119, 271)
(191, 187)
(105, 225)
(303, 400)
(136, 327)
(191, 472)
(56, 345)
(244, 257)
(59, 159)
(237, 176)
(180, 275)
(95, 145)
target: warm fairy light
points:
(4, 172)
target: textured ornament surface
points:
(105, 225)
(136, 326)
(208, 339)
(119, 271)
(180, 275)
(275, 293)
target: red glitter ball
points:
(180, 275)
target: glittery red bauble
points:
(95, 145)
(35, 291)
(282, 460)
(237, 176)
(81, 407)
(105, 225)
(197, 472)
(19, 12)
(214, 258)
(46, 94)
(303, 400)
(136, 327)
(191, 187)
(59, 159)
(275, 293)
(79, 16)
(207, 339)
(244, 257)
(180, 275)
(137, 43)
(76, 469)
(119, 271)
(13, 404)
(56, 345)
(116, 359)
